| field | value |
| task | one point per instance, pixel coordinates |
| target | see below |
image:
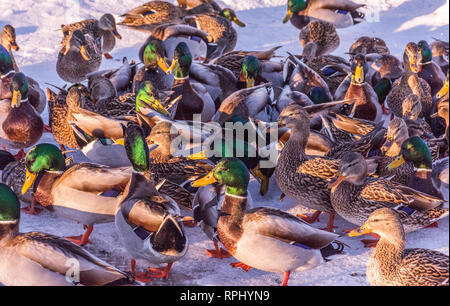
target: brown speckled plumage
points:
(318, 38)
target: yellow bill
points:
(207, 180)
(263, 180)
(84, 54)
(364, 229)
(443, 91)
(29, 180)
(162, 64)
(120, 141)
(359, 74)
(251, 82)
(238, 22)
(396, 163)
(333, 185)
(16, 98)
(175, 65)
(198, 156)
(288, 16)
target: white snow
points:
(397, 21)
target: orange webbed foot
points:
(240, 265)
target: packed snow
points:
(38, 22)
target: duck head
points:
(41, 158)
(412, 58)
(425, 52)
(9, 212)
(108, 23)
(78, 43)
(148, 97)
(294, 7)
(231, 16)
(182, 61)
(317, 95)
(397, 133)
(251, 69)
(359, 69)
(6, 64)
(155, 55)
(136, 147)
(19, 89)
(231, 172)
(8, 37)
(352, 168)
(411, 107)
(414, 150)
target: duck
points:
(354, 196)
(301, 177)
(21, 125)
(195, 99)
(13, 175)
(409, 83)
(428, 69)
(200, 6)
(25, 251)
(439, 50)
(341, 13)
(152, 14)
(78, 57)
(367, 105)
(86, 193)
(155, 68)
(103, 31)
(285, 242)
(146, 221)
(438, 122)
(222, 37)
(411, 110)
(7, 44)
(391, 264)
(318, 38)
(416, 151)
(368, 45)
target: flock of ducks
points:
(336, 155)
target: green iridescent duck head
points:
(154, 55)
(231, 16)
(19, 89)
(294, 7)
(43, 157)
(425, 52)
(251, 68)
(414, 150)
(231, 172)
(182, 61)
(6, 64)
(136, 147)
(148, 97)
(317, 95)
(9, 206)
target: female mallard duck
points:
(428, 69)
(318, 38)
(36, 95)
(416, 151)
(194, 98)
(45, 256)
(222, 37)
(367, 105)
(263, 238)
(152, 14)
(410, 83)
(354, 196)
(439, 49)
(21, 126)
(200, 6)
(146, 220)
(301, 177)
(393, 265)
(102, 31)
(340, 13)
(438, 116)
(368, 45)
(154, 58)
(78, 57)
(86, 193)
(411, 110)
(13, 175)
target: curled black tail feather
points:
(330, 250)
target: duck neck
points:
(8, 230)
(388, 252)
(140, 186)
(298, 139)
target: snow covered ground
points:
(397, 21)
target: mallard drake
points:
(153, 56)
(222, 37)
(87, 193)
(368, 45)
(195, 99)
(428, 69)
(367, 105)
(35, 94)
(152, 14)
(102, 31)
(45, 256)
(78, 57)
(341, 13)
(416, 151)
(393, 265)
(439, 49)
(145, 220)
(354, 196)
(301, 177)
(318, 38)
(263, 238)
(21, 125)
(410, 83)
